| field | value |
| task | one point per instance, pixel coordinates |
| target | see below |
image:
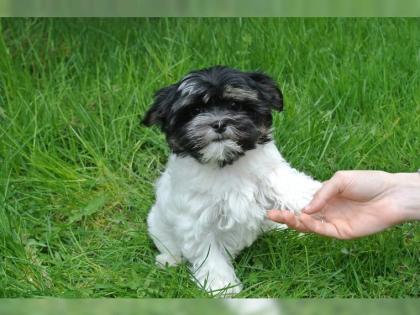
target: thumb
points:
(331, 188)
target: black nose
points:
(219, 126)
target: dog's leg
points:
(161, 233)
(212, 269)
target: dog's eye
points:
(197, 110)
(234, 105)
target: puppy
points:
(224, 172)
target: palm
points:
(347, 218)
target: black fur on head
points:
(216, 114)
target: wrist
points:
(406, 191)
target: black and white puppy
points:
(223, 174)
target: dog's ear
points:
(269, 89)
(157, 114)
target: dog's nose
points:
(219, 126)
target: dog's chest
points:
(219, 199)
(224, 207)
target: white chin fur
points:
(220, 151)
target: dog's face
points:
(215, 115)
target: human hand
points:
(353, 204)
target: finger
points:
(329, 189)
(288, 218)
(319, 227)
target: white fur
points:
(207, 214)
(219, 151)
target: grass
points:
(77, 170)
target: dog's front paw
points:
(167, 260)
(224, 287)
(230, 290)
(221, 286)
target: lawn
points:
(77, 169)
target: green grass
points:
(77, 169)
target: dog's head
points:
(215, 115)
